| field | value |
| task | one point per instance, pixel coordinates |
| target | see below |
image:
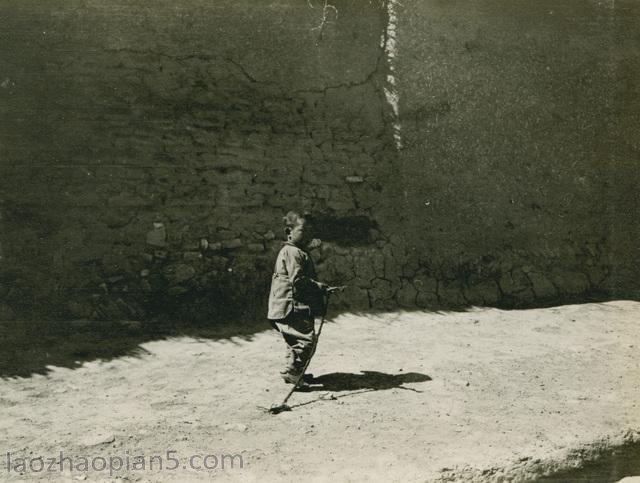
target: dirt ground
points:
(481, 395)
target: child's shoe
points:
(292, 378)
(303, 387)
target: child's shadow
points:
(370, 380)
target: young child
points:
(296, 298)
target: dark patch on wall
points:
(346, 231)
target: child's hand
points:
(335, 289)
(314, 243)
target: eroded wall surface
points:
(459, 152)
(520, 129)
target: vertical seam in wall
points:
(389, 42)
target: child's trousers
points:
(298, 331)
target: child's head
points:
(298, 228)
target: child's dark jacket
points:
(293, 286)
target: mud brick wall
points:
(520, 161)
(150, 149)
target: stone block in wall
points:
(145, 285)
(6, 312)
(364, 271)
(327, 150)
(80, 309)
(370, 145)
(208, 279)
(284, 171)
(324, 271)
(255, 222)
(224, 234)
(514, 282)
(126, 235)
(217, 263)
(282, 201)
(338, 268)
(255, 247)
(127, 199)
(340, 204)
(191, 256)
(77, 246)
(85, 253)
(411, 266)
(406, 296)
(425, 284)
(569, 281)
(321, 135)
(177, 273)
(392, 267)
(427, 300)
(253, 199)
(541, 285)
(205, 137)
(118, 309)
(232, 244)
(377, 260)
(482, 292)
(237, 179)
(215, 247)
(263, 186)
(381, 292)
(354, 298)
(116, 262)
(366, 196)
(596, 274)
(322, 192)
(157, 237)
(451, 294)
(177, 290)
(192, 246)
(315, 153)
(117, 218)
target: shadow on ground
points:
(377, 381)
(33, 347)
(350, 384)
